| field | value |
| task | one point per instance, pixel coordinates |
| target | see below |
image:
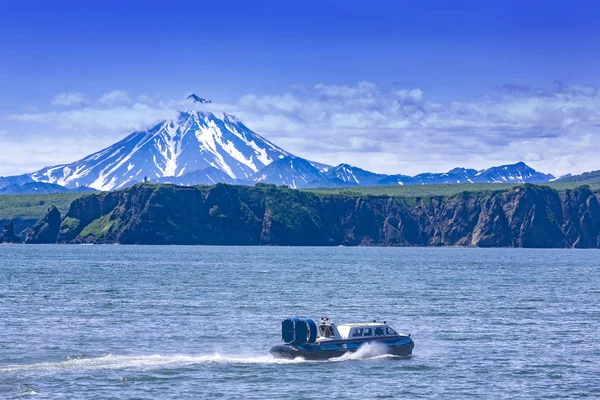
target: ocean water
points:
(144, 322)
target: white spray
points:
(366, 351)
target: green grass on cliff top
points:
(440, 190)
(34, 206)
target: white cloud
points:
(138, 116)
(402, 131)
(19, 156)
(115, 98)
(399, 130)
(145, 99)
(69, 99)
(362, 89)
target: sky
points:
(388, 86)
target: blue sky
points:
(250, 55)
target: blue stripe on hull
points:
(352, 345)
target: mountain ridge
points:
(206, 147)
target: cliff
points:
(525, 216)
(46, 229)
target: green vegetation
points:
(34, 206)
(442, 190)
(587, 177)
(100, 227)
(216, 212)
(70, 223)
(564, 185)
(414, 190)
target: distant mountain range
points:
(40, 188)
(297, 172)
(199, 147)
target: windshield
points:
(326, 331)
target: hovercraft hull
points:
(323, 351)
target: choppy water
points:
(88, 322)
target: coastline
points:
(528, 216)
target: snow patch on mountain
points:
(349, 174)
(513, 173)
(294, 172)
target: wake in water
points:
(139, 362)
(367, 351)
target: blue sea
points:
(144, 322)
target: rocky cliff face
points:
(46, 229)
(528, 216)
(8, 234)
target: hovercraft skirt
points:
(291, 352)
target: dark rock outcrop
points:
(525, 216)
(20, 224)
(46, 229)
(8, 234)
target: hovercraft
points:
(303, 337)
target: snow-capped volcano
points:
(194, 141)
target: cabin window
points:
(357, 332)
(368, 332)
(390, 331)
(379, 331)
